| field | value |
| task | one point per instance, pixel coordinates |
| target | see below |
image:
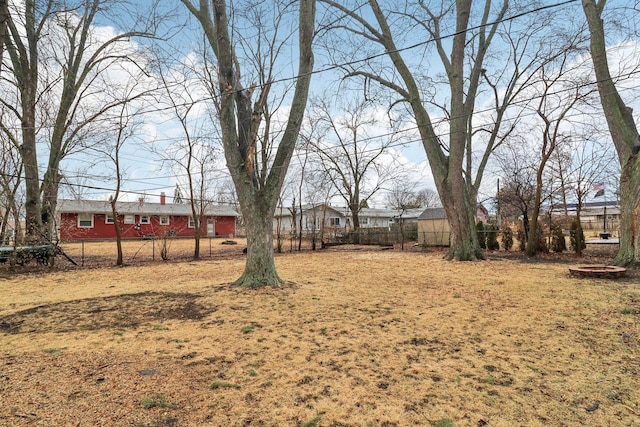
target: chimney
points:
(141, 202)
(163, 198)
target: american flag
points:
(599, 189)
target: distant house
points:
(315, 217)
(594, 215)
(434, 228)
(92, 219)
(598, 218)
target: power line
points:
(433, 39)
(417, 45)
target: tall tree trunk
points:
(198, 219)
(240, 120)
(456, 193)
(49, 197)
(461, 214)
(456, 190)
(356, 237)
(578, 236)
(196, 239)
(32, 205)
(629, 251)
(624, 135)
(117, 227)
(260, 269)
(532, 238)
(3, 226)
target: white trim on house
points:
(85, 220)
(136, 208)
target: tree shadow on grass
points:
(113, 312)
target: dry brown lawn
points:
(363, 338)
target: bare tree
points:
(10, 194)
(194, 156)
(56, 72)
(590, 163)
(558, 173)
(354, 158)
(318, 191)
(560, 90)
(125, 130)
(248, 138)
(517, 194)
(462, 34)
(403, 195)
(624, 134)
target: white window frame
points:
(311, 223)
(145, 219)
(164, 220)
(129, 219)
(86, 218)
(334, 221)
(364, 221)
(192, 222)
(109, 219)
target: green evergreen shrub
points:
(482, 238)
(507, 238)
(541, 242)
(572, 236)
(558, 242)
(491, 232)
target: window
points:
(334, 221)
(364, 221)
(164, 220)
(108, 219)
(144, 219)
(129, 219)
(311, 223)
(85, 220)
(192, 223)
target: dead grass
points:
(378, 338)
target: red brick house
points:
(92, 219)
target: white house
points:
(595, 216)
(316, 217)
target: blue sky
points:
(145, 176)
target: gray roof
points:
(285, 211)
(410, 213)
(364, 212)
(102, 206)
(375, 213)
(433, 213)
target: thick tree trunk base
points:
(464, 253)
(255, 281)
(626, 258)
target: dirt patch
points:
(114, 312)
